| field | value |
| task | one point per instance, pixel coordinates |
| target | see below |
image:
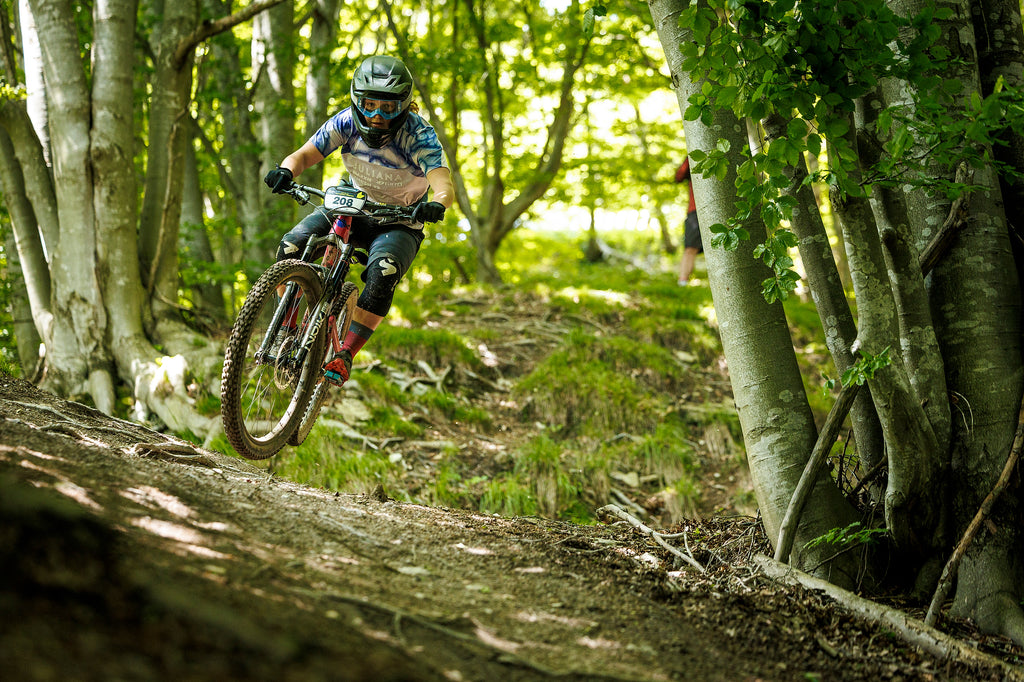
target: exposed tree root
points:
(911, 630)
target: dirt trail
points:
(131, 556)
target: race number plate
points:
(344, 199)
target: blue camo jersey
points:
(394, 174)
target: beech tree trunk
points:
(778, 428)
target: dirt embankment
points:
(132, 556)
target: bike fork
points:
(285, 315)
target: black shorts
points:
(691, 238)
(398, 241)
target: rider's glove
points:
(278, 180)
(430, 212)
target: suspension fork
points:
(284, 315)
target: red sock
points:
(356, 338)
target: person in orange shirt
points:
(691, 237)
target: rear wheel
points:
(263, 396)
(343, 310)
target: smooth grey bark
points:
(31, 298)
(23, 327)
(829, 297)
(168, 133)
(273, 57)
(778, 427)
(19, 190)
(208, 300)
(238, 157)
(323, 36)
(914, 504)
(1000, 47)
(77, 359)
(34, 81)
(976, 302)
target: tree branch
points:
(208, 29)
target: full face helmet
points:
(381, 86)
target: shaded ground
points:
(131, 556)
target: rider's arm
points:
(440, 186)
(302, 158)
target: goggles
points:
(387, 108)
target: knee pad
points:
(287, 248)
(381, 275)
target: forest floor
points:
(131, 555)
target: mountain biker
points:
(394, 156)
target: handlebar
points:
(370, 209)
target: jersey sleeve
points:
(424, 148)
(334, 133)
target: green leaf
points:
(814, 144)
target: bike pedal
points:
(333, 378)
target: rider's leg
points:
(390, 255)
(293, 243)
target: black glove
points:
(278, 180)
(430, 212)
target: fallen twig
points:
(620, 513)
(626, 502)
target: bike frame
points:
(337, 261)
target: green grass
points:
(600, 410)
(595, 385)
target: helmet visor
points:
(387, 108)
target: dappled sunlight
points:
(166, 529)
(544, 617)
(708, 314)
(486, 356)
(479, 551)
(78, 494)
(63, 485)
(185, 540)
(531, 569)
(491, 639)
(148, 496)
(598, 643)
(575, 295)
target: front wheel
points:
(342, 311)
(264, 393)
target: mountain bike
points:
(291, 325)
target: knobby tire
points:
(262, 402)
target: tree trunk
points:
(168, 134)
(78, 362)
(778, 427)
(1000, 46)
(26, 238)
(323, 38)
(208, 301)
(274, 100)
(24, 329)
(826, 286)
(34, 81)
